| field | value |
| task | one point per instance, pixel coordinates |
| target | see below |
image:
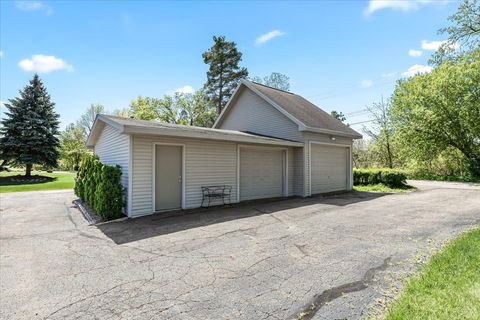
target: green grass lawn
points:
(448, 287)
(40, 180)
(382, 188)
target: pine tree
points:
(224, 72)
(29, 131)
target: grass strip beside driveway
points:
(448, 287)
(380, 187)
(40, 181)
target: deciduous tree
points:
(88, 118)
(72, 146)
(275, 80)
(338, 115)
(441, 110)
(381, 130)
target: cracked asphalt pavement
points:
(317, 258)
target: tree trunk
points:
(28, 170)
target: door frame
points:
(349, 173)
(154, 172)
(285, 170)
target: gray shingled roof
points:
(156, 127)
(303, 110)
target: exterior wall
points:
(252, 113)
(207, 162)
(319, 137)
(297, 164)
(113, 148)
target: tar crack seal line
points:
(319, 300)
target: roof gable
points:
(305, 114)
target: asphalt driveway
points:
(322, 258)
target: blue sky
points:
(341, 55)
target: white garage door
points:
(329, 168)
(261, 173)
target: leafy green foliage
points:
(441, 110)
(447, 287)
(224, 72)
(381, 131)
(389, 177)
(109, 193)
(72, 146)
(275, 80)
(380, 187)
(338, 115)
(463, 34)
(188, 109)
(29, 131)
(99, 186)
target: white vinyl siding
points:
(113, 148)
(261, 173)
(297, 164)
(253, 114)
(329, 168)
(206, 163)
(323, 138)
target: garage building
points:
(266, 143)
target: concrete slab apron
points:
(263, 261)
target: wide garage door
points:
(329, 167)
(261, 173)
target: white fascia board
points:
(227, 106)
(332, 132)
(98, 124)
(173, 132)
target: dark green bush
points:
(389, 177)
(99, 186)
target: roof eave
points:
(332, 132)
(97, 127)
(174, 132)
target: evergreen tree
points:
(224, 72)
(29, 131)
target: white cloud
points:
(434, 45)
(1, 54)
(400, 5)
(431, 45)
(185, 89)
(33, 6)
(416, 69)
(415, 53)
(268, 36)
(44, 64)
(366, 83)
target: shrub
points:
(389, 177)
(99, 186)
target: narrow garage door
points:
(329, 168)
(261, 173)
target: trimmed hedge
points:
(389, 177)
(99, 186)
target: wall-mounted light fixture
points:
(332, 138)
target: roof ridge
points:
(264, 85)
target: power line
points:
(351, 124)
(323, 96)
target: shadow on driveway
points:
(174, 221)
